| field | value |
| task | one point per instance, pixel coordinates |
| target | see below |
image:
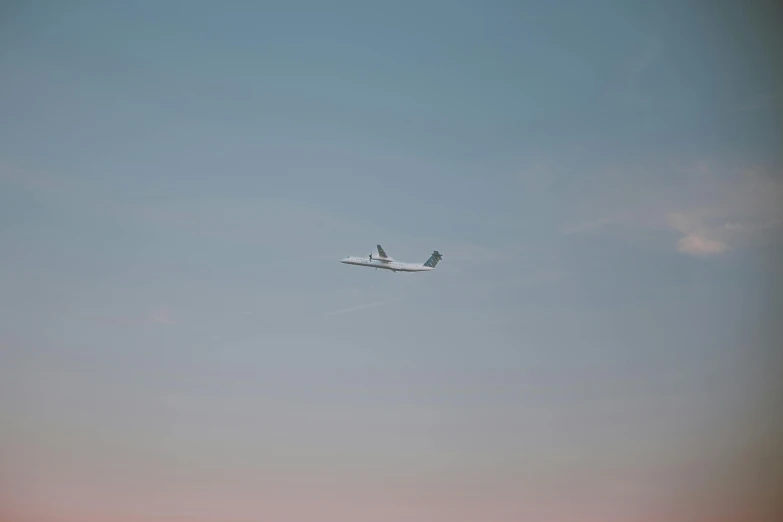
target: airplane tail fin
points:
(433, 260)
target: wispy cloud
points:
(698, 240)
(354, 308)
(741, 212)
(700, 246)
(711, 211)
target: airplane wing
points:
(382, 254)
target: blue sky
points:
(179, 180)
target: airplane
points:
(385, 262)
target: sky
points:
(601, 341)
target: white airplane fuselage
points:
(395, 266)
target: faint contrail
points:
(355, 308)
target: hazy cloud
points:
(700, 246)
(712, 211)
(744, 210)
